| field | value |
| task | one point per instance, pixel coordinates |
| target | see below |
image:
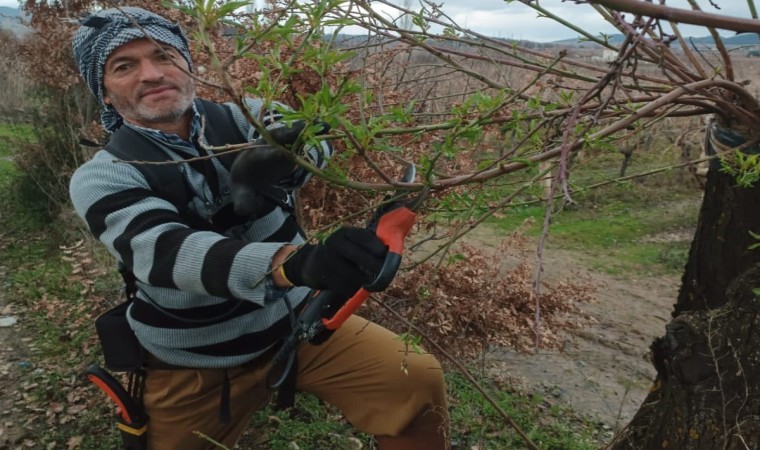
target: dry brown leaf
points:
(75, 409)
(74, 442)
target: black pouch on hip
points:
(121, 349)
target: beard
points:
(133, 108)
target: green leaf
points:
(525, 161)
(485, 163)
(455, 258)
(450, 32)
(229, 8)
(412, 341)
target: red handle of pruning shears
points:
(392, 228)
(131, 419)
(128, 411)
(326, 311)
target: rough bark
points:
(707, 391)
(720, 250)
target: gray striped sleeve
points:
(146, 233)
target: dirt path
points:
(13, 364)
(604, 371)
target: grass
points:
(475, 423)
(10, 135)
(311, 424)
(634, 227)
(549, 426)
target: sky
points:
(513, 20)
(516, 21)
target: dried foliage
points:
(475, 304)
(13, 96)
(48, 51)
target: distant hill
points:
(13, 20)
(741, 40)
(738, 40)
(733, 41)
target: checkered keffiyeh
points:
(102, 32)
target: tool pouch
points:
(121, 350)
(133, 436)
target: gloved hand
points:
(257, 168)
(349, 258)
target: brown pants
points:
(359, 370)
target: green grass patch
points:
(311, 424)
(11, 135)
(24, 210)
(477, 424)
(635, 229)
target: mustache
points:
(149, 88)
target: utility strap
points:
(225, 416)
(286, 394)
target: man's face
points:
(145, 85)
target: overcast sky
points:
(498, 18)
(517, 21)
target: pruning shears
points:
(327, 310)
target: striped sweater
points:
(218, 305)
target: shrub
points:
(51, 154)
(474, 304)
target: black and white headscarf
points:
(104, 31)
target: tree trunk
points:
(707, 391)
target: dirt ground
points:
(13, 364)
(604, 371)
(16, 350)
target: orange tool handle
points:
(114, 390)
(346, 310)
(392, 228)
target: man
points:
(211, 308)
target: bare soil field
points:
(603, 372)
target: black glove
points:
(348, 259)
(257, 168)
